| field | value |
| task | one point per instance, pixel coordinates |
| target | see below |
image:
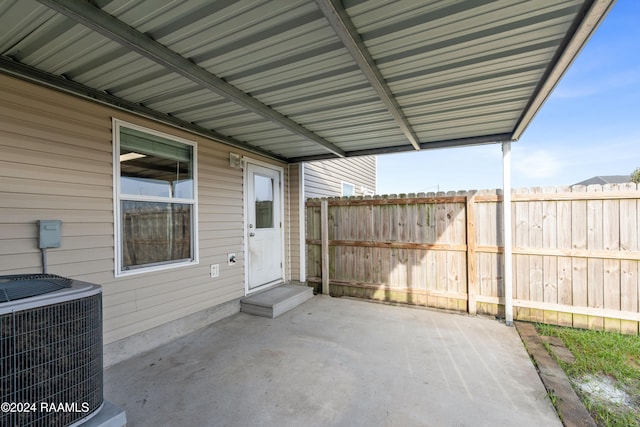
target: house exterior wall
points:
(56, 162)
(294, 223)
(324, 178)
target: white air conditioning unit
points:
(50, 350)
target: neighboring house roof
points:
(308, 79)
(606, 179)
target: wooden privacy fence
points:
(576, 252)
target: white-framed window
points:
(155, 200)
(348, 189)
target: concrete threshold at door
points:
(276, 301)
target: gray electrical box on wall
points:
(49, 233)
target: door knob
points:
(252, 234)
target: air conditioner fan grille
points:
(15, 287)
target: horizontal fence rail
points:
(576, 252)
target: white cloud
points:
(613, 80)
(539, 164)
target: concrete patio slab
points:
(336, 362)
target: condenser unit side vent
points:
(52, 353)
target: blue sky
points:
(590, 125)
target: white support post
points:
(324, 231)
(303, 226)
(507, 278)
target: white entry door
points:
(264, 226)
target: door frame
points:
(245, 179)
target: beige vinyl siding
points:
(295, 221)
(56, 163)
(286, 221)
(324, 178)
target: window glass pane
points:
(138, 141)
(158, 168)
(348, 189)
(154, 232)
(263, 187)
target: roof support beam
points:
(338, 18)
(583, 28)
(105, 24)
(435, 145)
(28, 73)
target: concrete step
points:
(275, 301)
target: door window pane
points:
(263, 188)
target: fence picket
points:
(595, 267)
(564, 241)
(536, 281)
(550, 263)
(629, 241)
(611, 242)
(521, 268)
(579, 265)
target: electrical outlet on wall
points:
(231, 259)
(215, 270)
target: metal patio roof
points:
(302, 80)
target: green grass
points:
(603, 354)
(553, 398)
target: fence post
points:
(324, 232)
(472, 282)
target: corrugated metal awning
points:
(308, 79)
